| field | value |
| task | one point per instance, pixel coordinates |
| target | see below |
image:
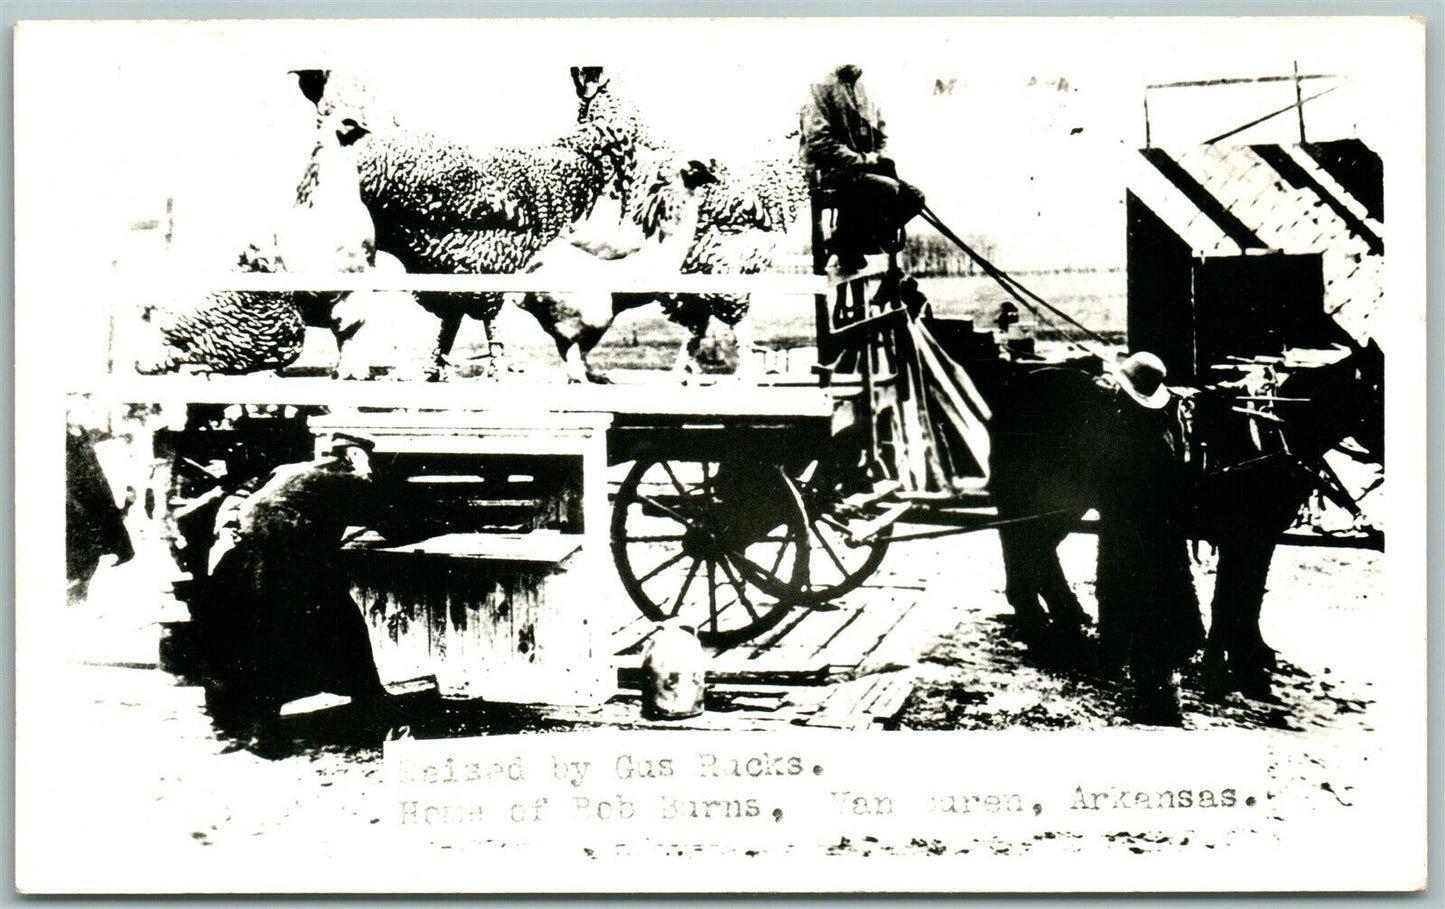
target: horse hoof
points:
(1253, 682)
(1155, 705)
(1214, 680)
(1031, 631)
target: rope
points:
(1023, 295)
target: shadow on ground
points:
(981, 677)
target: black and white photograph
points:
(720, 455)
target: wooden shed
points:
(1243, 250)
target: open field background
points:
(645, 339)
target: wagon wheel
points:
(721, 544)
(836, 565)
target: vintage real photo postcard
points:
(711, 455)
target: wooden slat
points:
(744, 654)
(865, 703)
(880, 614)
(630, 635)
(494, 405)
(426, 683)
(803, 643)
(663, 282)
(891, 696)
(876, 267)
(544, 546)
(881, 490)
(765, 674)
(861, 533)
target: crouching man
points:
(277, 621)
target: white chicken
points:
(577, 319)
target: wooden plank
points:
(427, 683)
(881, 490)
(315, 703)
(768, 639)
(891, 696)
(971, 496)
(917, 628)
(801, 646)
(847, 706)
(539, 546)
(876, 267)
(852, 616)
(631, 635)
(861, 533)
(879, 615)
(459, 406)
(864, 704)
(151, 285)
(631, 676)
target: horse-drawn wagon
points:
(741, 502)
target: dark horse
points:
(1246, 477)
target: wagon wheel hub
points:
(699, 542)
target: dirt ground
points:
(978, 677)
(136, 743)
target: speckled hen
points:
(744, 218)
(443, 208)
(577, 318)
(327, 231)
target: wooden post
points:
(1146, 119)
(1299, 104)
(827, 348)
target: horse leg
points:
(1022, 556)
(1234, 635)
(1064, 610)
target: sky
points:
(1028, 137)
(1022, 131)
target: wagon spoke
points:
(663, 567)
(756, 569)
(686, 583)
(657, 538)
(712, 592)
(828, 548)
(725, 602)
(665, 509)
(667, 469)
(740, 588)
(782, 551)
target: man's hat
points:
(340, 441)
(1142, 378)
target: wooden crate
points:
(494, 598)
(497, 617)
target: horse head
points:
(1324, 405)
